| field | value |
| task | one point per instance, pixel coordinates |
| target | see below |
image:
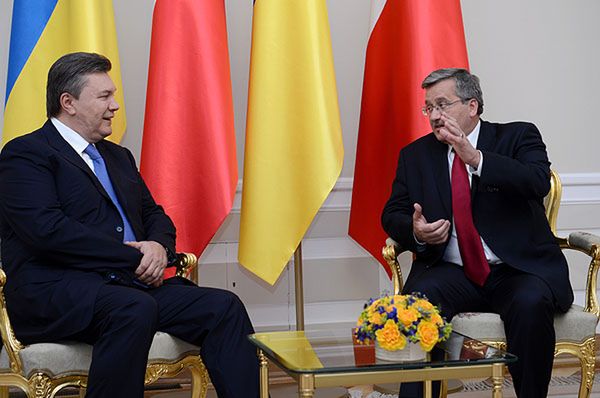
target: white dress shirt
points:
(77, 142)
(452, 253)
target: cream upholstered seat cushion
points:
(72, 358)
(575, 325)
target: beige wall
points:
(537, 59)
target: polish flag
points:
(408, 40)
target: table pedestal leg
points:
(306, 386)
(497, 380)
(264, 375)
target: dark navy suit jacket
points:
(62, 235)
(507, 201)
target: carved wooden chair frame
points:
(42, 385)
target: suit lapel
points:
(56, 141)
(485, 142)
(442, 174)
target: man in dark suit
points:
(487, 247)
(84, 247)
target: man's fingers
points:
(431, 227)
(451, 125)
(418, 214)
(149, 272)
(435, 232)
(440, 235)
(135, 244)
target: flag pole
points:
(299, 287)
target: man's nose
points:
(114, 106)
(435, 114)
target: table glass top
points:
(323, 351)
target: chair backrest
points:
(552, 200)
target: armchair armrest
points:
(9, 341)
(186, 263)
(583, 241)
(390, 252)
(589, 244)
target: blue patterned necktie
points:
(102, 174)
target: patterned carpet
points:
(556, 381)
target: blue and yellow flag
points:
(42, 31)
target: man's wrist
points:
(476, 170)
(418, 241)
(171, 256)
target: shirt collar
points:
(71, 136)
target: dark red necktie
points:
(469, 243)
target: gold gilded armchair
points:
(41, 370)
(575, 330)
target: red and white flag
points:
(188, 148)
(408, 40)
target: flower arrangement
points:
(392, 321)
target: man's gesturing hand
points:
(453, 135)
(432, 233)
(153, 263)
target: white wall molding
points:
(327, 250)
(339, 313)
(578, 188)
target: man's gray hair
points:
(69, 75)
(467, 85)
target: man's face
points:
(443, 95)
(94, 109)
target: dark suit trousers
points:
(524, 302)
(126, 318)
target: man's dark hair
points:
(467, 85)
(69, 74)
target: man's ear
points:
(473, 106)
(66, 103)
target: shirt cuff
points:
(477, 171)
(417, 240)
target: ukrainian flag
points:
(42, 31)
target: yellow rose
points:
(423, 304)
(437, 319)
(372, 308)
(428, 334)
(408, 316)
(390, 338)
(376, 318)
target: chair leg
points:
(82, 391)
(41, 385)
(3, 392)
(587, 359)
(200, 380)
